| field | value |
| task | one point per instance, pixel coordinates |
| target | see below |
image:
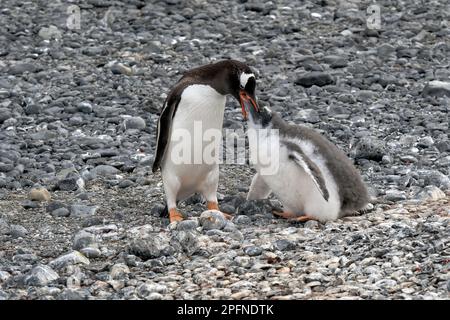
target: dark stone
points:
(317, 78)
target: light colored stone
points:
(40, 194)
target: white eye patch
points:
(243, 79)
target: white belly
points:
(294, 187)
(193, 150)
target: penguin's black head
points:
(228, 77)
(243, 85)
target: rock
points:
(335, 61)
(146, 244)
(54, 205)
(317, 78)
(151, 291)
(49, 33)
(369, 148)
(4, 276)
(119, 271)
(17, 231)
(308, 115)
(39, 194)
(61, 212)
(91, 252)
(85, 107)
(253, 251)
(4, 227)
(251, 207)
(187, 225)
(425, 142)
(104, 170)
(72, 258)
(5, 114)
(71, 183)
(395, 195)
(244, 220)
(185, 241)
(314, 276)
(385, 50)
(29, 204)
(212, 219)
(125, 184)
(134, 123)
(311, 224)
(41, 275)
(21, 68)
(430, 193)
(158, 210)
(82, 211)
(83, 239)
(31, 109)
(284, 245)
(437, 89)
(118, 68)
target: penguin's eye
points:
(241, 86)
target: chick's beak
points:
(245, 98)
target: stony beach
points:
(80, 208)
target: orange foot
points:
(215, 206)
(292, 216)
(174, 215)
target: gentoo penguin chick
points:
(314, 180)
(194, 109)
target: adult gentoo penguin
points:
(314, 181)
(194, 106)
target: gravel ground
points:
(79, 207)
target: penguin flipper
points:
(300, 158)
(164, 126)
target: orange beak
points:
(244, 97)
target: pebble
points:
(314, 78)
(134, 123)
(17, 231)
(49, 33)
(119, 68)
(39, 194)
(212, 219)
(369, 148)
(82, 211)
(91, 252)
(29, 204)
(41, 275)
(71, 183)
(253, 251)
(119, 271)
(83, 239)
(437, 89)
(61, 212)
(284, 245)
(186, 225)
(72, 258)
(104, 170)
(125, 183)
(147, 245)
(85, 107)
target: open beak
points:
(245, 98)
